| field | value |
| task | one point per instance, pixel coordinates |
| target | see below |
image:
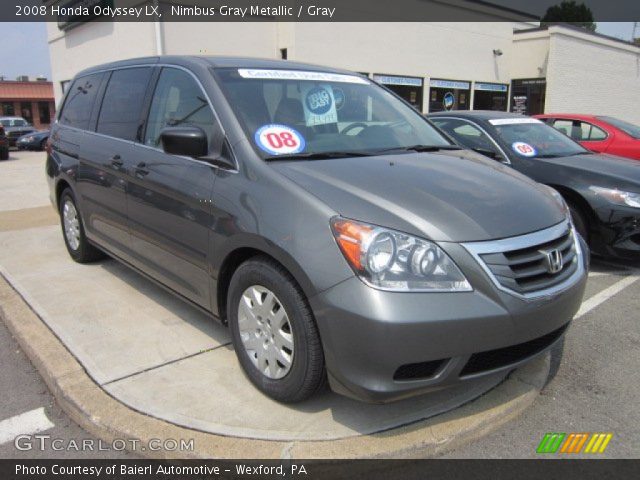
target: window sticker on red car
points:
(524, 149)
(279, 139)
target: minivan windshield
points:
(626, 127)
(308, 114)
(529, 137)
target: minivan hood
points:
(444, 197)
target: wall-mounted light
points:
(497, 52)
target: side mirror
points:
(191, 141)
(188, 141)
(489, 153)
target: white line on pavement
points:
(605, 295)
(26, 423)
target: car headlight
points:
(28, 139)
(618, 197)
(391, 260)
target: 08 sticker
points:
(524, 149)
(279, 139)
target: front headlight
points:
(618, 197)
(391, 260)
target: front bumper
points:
(384, 346)
(618, 233)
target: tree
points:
(570, 12)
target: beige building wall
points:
(593, 75)
(94, 43)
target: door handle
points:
(141, 169)
(116, 161)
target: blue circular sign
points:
(318, 101)
(448, 100)
(338, 96)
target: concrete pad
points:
(113, 320)
(24, 184)
(209, 392)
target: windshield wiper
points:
(421, 148)
(316, 156)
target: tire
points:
(580, 222)
(253, 283)
(4, 154)
(73, 233)
(43, 145)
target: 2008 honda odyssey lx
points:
(337, 232)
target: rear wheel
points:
(273, 331)
(73, 231)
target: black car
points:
(4, 145)
(33, 141)
(603, 191)
(15, 127)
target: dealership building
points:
(502, 60)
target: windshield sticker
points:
(319, 105)
(300, 75)
(524, 149)
(513, 121)
(279, 139)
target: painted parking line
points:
(605, 295)
(27, 423)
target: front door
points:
(169, 197)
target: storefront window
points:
(409, 88)
(490, 96)
(528, 96)
(26, 112)
(6, 109)
(447, 95)
(44, 113)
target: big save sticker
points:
(279, 139)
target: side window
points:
(467, 135)
(564, 126)
(122, 103)
(78, 105)
(177, 100)
(591, 133)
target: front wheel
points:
(580, 222)
(73, 231)
(274, 333)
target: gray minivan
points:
(334, 229)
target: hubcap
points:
(265, 331)
(71, 224)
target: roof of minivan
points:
(215, 61)
(478, 114)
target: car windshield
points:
(626, 127)
(307, 114)
(528, 137)
(5, 123)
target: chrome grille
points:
(525, 265)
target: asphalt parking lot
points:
(593, 387)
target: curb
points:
(108, 419)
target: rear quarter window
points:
(78, 105)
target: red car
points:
(598, 133)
